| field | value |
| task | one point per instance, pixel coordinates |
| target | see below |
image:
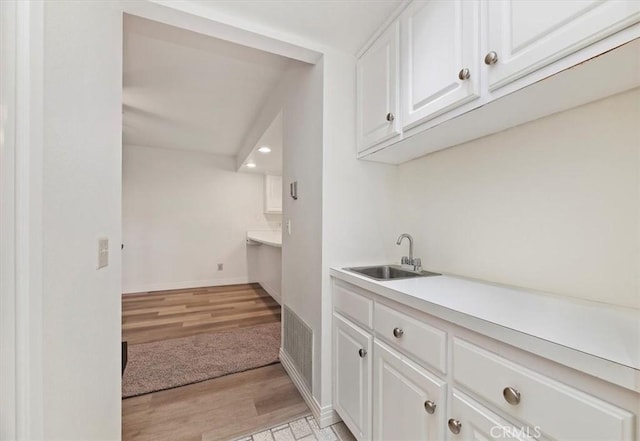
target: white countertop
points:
(539, 320)
(271, 238)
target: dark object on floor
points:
(124, 355)
(171, 363)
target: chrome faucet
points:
(416, 262)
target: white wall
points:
(183, 213)
(302, 162)
(343, 214)
(551, 205)
(81, 202)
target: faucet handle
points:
(405, 261)
(417, 264)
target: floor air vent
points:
(298, 344)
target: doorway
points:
(202, 172)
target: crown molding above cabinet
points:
(445, 73)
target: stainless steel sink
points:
(389, 272)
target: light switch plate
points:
(103, 252)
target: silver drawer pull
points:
(491, 58)
(511, 395)
(454, 426)
(464, 74)
(362, 353)
(430, 407)
(398, 332)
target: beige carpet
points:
(171, 363)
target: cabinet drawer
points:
(475, 422)
(353, 305)
(557, 410)
(424, 342)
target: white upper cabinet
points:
(440, 58)
(378, 91)
(525, 35)
(272, 194)
(457, 70)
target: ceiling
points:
(267, 163)
(345, 25)
(184, 90)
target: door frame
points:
(21, 142)
(21, 190)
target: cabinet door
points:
(272, 194)
(527, 35)
(440, 39)
(474, 422)
(403, 397)
(352, 385)
(378, 91)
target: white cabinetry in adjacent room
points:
(378, 91)
(439, 58)
(272, 194)
(523, 36)
(353, 348)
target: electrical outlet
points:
(103, 252)
(220, 266)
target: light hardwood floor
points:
(219, 409)
(162, 315)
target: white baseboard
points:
(325, 416)
(271, 291)
(164, 286)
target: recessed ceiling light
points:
(264, 149)
(251, 164)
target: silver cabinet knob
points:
(491, 58)
(398, 332)
(511, 395)
(362, 353)
(390, 117)
(430, 407)
(464, 74)
(454, 426)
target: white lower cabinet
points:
(528, 397)
(472, 421)
(352, 376)
(436, 381)
(408, 401)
